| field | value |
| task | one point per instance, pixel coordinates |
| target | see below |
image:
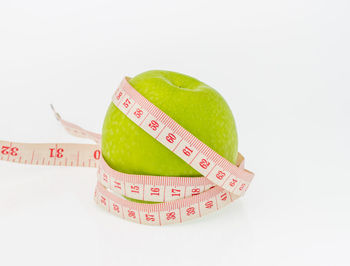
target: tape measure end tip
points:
(57, 115)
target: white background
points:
(283, 67)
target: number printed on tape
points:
(152, 126)
(219, 174)
(154, 193)
(202, 164)
(137, 114)
(127, 104)
(169, 138)
(185, 151)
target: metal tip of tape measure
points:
(57, 115)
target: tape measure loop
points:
(175, 199)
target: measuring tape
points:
(172, 199)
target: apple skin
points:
(194, 105)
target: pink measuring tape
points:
(177, 199)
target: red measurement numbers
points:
(195, 191)
(150, 217)
(97, 155)
(190, 211)
(220, 175)
(153, 125)
(170, 138)
(56, 153)
(119, 95)
(6, 150)
(233, 182)
(138, 113)
(209, 204)
(131, 214)
(170, 216)
(175, 192)
(126, 103)
(135, 189)
(155, 191)
(204, 163)
(187, 151)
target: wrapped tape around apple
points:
(178, 198)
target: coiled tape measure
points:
(177, 199)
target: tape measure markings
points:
(50, 154)
(171, 211)
(164, 213)
(204, 161)
(182, 198)
(151, 188)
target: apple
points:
(194, 105)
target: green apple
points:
(194, 105)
